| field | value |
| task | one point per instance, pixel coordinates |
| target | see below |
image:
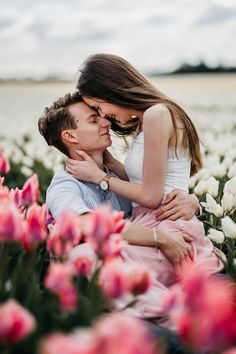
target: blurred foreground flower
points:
(35, 228)
(117, 278)
(64, 235)
(15, 322)
(80, 342)
(30, 191)
(113, 334)
(11, 222)
(4, 164)
(59, 281)
(203, 309)
(102, 231)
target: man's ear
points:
(68, 136)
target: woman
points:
(164, 153)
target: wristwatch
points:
(104, 184)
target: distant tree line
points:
(202, 68)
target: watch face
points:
(104, 185)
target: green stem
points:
(4, 257)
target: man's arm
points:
(175, 246)
(64, 194)
(178, 205)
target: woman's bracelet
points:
(155, 237)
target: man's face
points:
(92, 131)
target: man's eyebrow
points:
(92, 115)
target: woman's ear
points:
(69, 137)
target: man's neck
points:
(97, 156)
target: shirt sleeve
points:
(63, 195)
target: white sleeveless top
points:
(177, 169)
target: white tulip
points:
(229, 227)
(212, 207)
(203, 174)
(212, 160)
(201, 188)
(218, 170)
(192, 182)
(228, 202)
(228, 161)
(232, 171)
(213, 186)
(230, 186)
(216, 236)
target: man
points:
(69, 124)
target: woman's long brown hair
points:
(114, 80)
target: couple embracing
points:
(151, 187)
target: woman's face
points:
(105, 109)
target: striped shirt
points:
(67, 193)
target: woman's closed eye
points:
(97, 108)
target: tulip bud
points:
(229, 227)
(216, 236)
(228, 202)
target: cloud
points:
(217, 14)
(55, 36)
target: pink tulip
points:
(64, 235)
(201, 306)
(11, 222)
(117, 278)
(120, 333)
(79, 342)
(59, 281)
(83, 265)
(57, 343)
(103, 223)
(35, 231)
(112, 279)
(111, 248)
(4, 191)
(139, 279)
(16, 197)
(99, 229)
(1, 182)
(4, 164)
(30, 190)
(230, 351)
(15, 322)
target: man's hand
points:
(178, 205)
(175, 246)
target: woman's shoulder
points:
(157, 115)
(158, 109)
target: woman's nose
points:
(105, 122)
(102, 115)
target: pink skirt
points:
(150, 305)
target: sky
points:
(53, 37)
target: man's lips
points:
(105, 133)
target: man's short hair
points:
(57, 118)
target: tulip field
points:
(56, 298)
(55, 303)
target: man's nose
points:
(105, 122)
